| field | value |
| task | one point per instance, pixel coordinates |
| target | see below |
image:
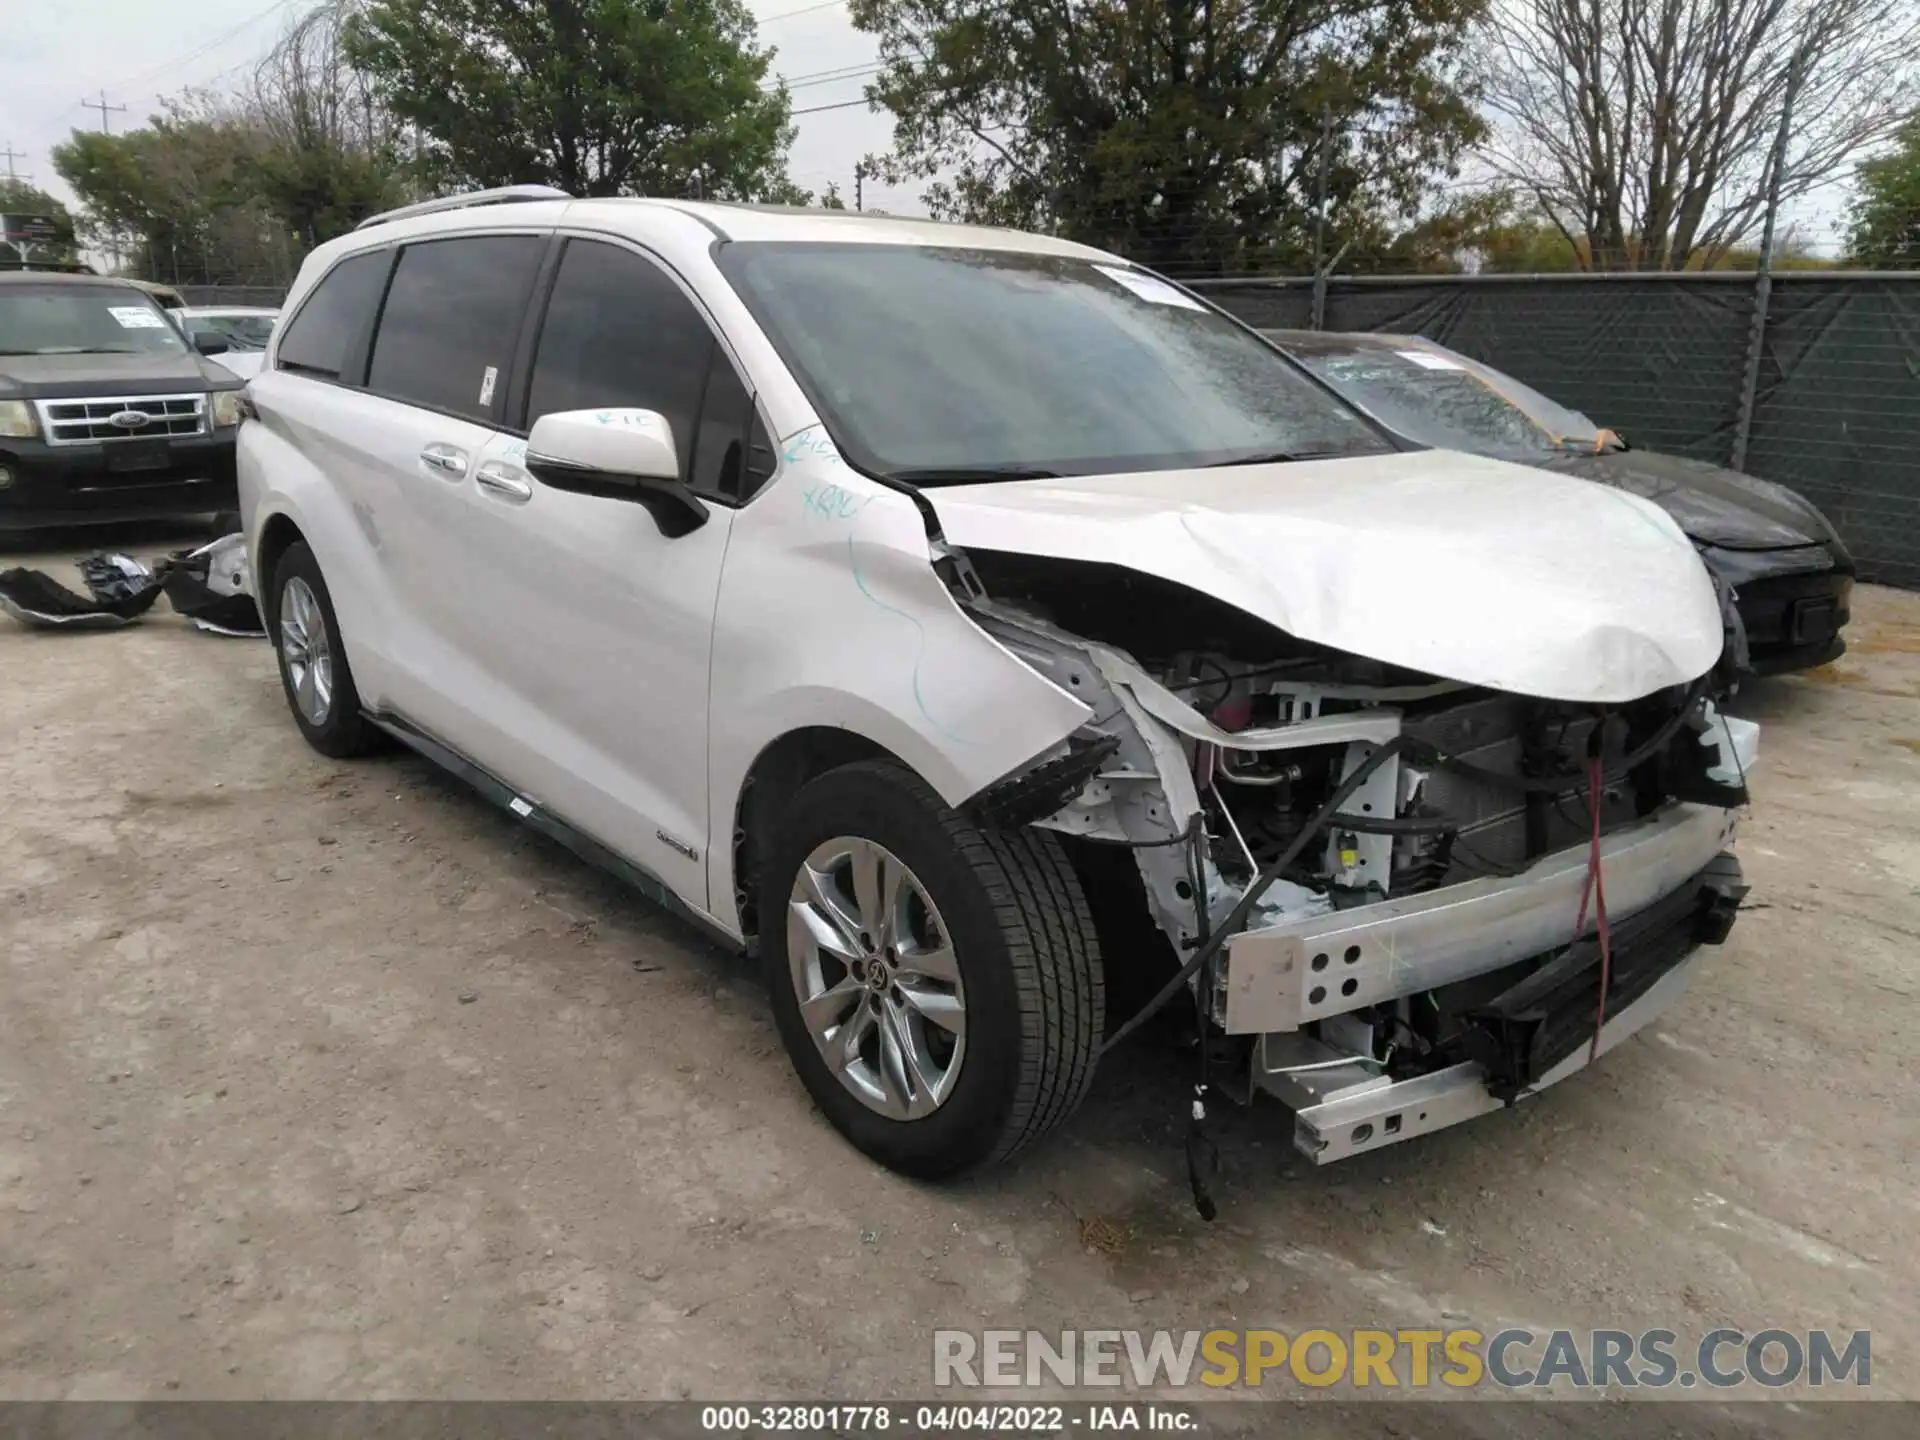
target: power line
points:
(821, 77)
(843, 105)
(13, 155)
(803, 10)
(205, 47)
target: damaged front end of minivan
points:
(1397, 900)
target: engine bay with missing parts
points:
(1395, 900)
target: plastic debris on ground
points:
(209, 585)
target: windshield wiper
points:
(84, 350)
(970, 474)
(1270, 457)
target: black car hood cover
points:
(1714, 505)
(55, 377)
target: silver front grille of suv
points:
(122, 417)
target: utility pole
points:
(1763, 282)
(13, 155)
(1319, 321)
(859, 176)
(103, 107)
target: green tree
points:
(1885, 232)
(598, 97)
(1185, 133)
(1530, 244)
(331, 153)
(18, 198)
(178, 200)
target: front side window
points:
(334, 316)
(450, 320)
(938, 365)
(243, 332)
(1439, 398)
(83, 320)
(619, 331)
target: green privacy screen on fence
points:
(1660, 358)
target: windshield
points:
(249, 332)
(939, 365)
(83, 320)
(1439, 398)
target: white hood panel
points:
(1460, 567)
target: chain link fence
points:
(1662, 358)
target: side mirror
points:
(210, 342)
(618, 454)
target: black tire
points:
(1024, 942)
(345, 732)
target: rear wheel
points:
(313, 663)
(937, 985)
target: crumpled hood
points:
(1713, 504)
(1457, 566)
(55, 377)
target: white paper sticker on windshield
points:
(136, 317)
(1429, 361)
(487, 382)
(1149, 287)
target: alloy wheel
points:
(872, 965)
(307, 650)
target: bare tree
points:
(334, 152)
(307, 94)
(1647, 130)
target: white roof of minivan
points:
(725, 221)
(790, 222)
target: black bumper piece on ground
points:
(1522, 1033)
(52, 485)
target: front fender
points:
(307, 480)
(830, 614)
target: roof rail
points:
(506, 195)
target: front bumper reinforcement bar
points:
(1282, 976)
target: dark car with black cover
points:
(1792, 577)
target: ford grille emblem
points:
(129, 419)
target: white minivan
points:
(1001, 642)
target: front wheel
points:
(937, 985)
(313, 663)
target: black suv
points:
(107, 412)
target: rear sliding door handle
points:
(447, 461)
(504, 482)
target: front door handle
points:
(448, 461)
(505, 481)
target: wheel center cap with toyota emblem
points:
(129, 419)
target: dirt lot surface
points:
(324, 1079)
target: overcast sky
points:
(57, 53)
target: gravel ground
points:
(325, 1079)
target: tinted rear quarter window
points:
(619, 331)
(452, 314)
(333, 316)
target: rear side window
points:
(448, 328)
(618, 331)
(332, 318)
